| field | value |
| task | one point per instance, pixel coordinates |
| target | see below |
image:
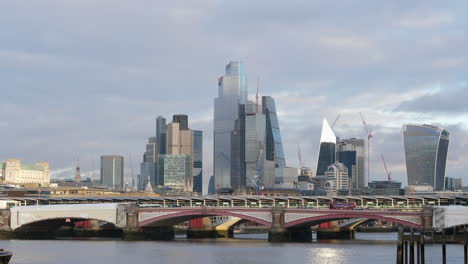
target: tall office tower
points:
(352, 153)
(327, 148)
(182, 120)
(161, 133)
(211, 186)
(197, 161)
(77, 172)
(232, 91)
(273, 142)
(148, 166)
(175, 170)
(180, 142)
(426, 150)
(238, 180)
(112, 171)
(255, 124)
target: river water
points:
(367, 248)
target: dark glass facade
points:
(197, 161)
(349, 159)
(238, 173)
(273, 143)
(426, 149)
(182, 120)
(161, 134)
(326, 157)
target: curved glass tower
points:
(232, 91)
(426, 149)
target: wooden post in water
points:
(399, 255)
(411, 246)
(465, 246)
(406, 249)
(418, 249)
(444, 248)
(423, 259)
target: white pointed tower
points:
(327, 151)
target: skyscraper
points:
(352, 153)
(327, 148)
(112, 171)
(182, 120)
(197, 161)
(232, 91)
(180, 142)
(426, 149)
(273, 143)
(148, 166)
(161, 132)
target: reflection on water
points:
(253, 248)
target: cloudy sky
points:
(82, 78)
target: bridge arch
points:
(24, 215)
(318, 219)
(155, 218)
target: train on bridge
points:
(317, 202)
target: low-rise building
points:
(13, 171)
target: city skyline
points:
(124, 81)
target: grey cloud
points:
(444, 101)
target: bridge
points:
(415, 201)
(284, 224)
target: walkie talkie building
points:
(426, 149)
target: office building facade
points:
(273, 143)
(232, 91)
(197, 161)
(426, 149)
(175, 171)
(352, 153)
(112, 171)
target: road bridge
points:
(156, 222)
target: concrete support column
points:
(277, 232)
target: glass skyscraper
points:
(426, 149)
(273, 143)
(327, 149)
(161, 134)
(232, 91)
(197, 161)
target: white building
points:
(14, 172)
(337, 178)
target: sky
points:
(84, 78)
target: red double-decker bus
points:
(342, 205)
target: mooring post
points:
(399, 257)
(411, 245)
(418, 249)
(405, 250)
(423, 259)
(444, 248)
(465, 246)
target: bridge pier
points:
(335, 234)
(209, 233)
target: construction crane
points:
(369, 136)
(336, 120)
(389, 173)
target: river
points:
(367, 248)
